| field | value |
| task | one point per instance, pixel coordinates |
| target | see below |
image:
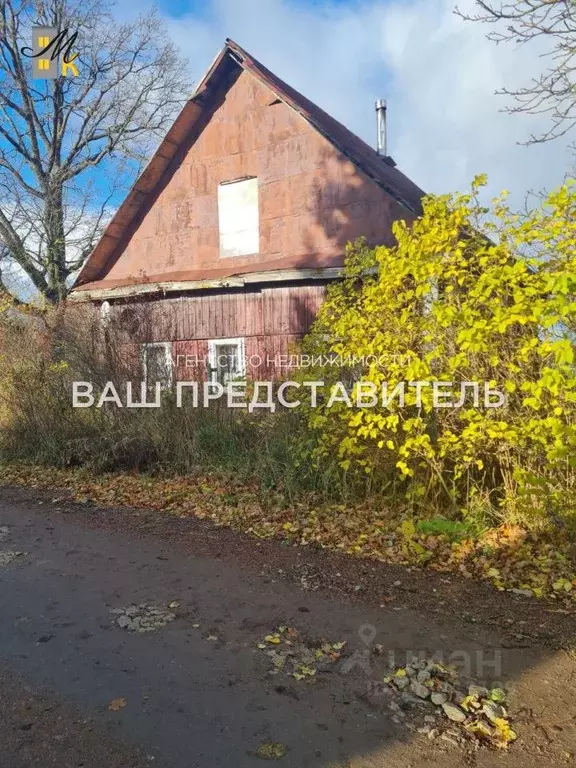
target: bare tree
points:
(69, 145)
(553, 92)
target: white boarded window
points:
(238, 217)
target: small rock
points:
(424, 729)
(123, 622)
(478, 691)
(423, 676)
(433, 733)
(453, 712)
(493, 711)
(450, 739)
(429, 719)
(523, 592)
(397, 583)
(7, 556)
(438, 698)
(410, 671)
(420, 690)
(458, 697)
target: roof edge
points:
(234, 281)
(164, 155)
(317, 125)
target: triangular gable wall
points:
(312, 198)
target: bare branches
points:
(69, 146)
(553, 92)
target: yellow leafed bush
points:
(484, 299)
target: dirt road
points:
(77, 689)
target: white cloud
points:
(450, 120)
(438, 73)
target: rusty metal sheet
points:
(242, 152)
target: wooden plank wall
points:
(271, 320)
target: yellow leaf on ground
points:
(270, 751)
(117, 704)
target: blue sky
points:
(438, 74)
(178, 8)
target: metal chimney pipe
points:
(381, 137)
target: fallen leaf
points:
(270, 751)
(497, 695)
(117, 704)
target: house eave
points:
(184, 286)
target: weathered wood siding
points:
(271, 320)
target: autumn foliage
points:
(468, 294)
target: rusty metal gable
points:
(196, 113)
(364, 157)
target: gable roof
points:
(190, 123)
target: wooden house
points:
(231, 234)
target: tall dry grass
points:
(42, 354)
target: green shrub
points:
(447, 304)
